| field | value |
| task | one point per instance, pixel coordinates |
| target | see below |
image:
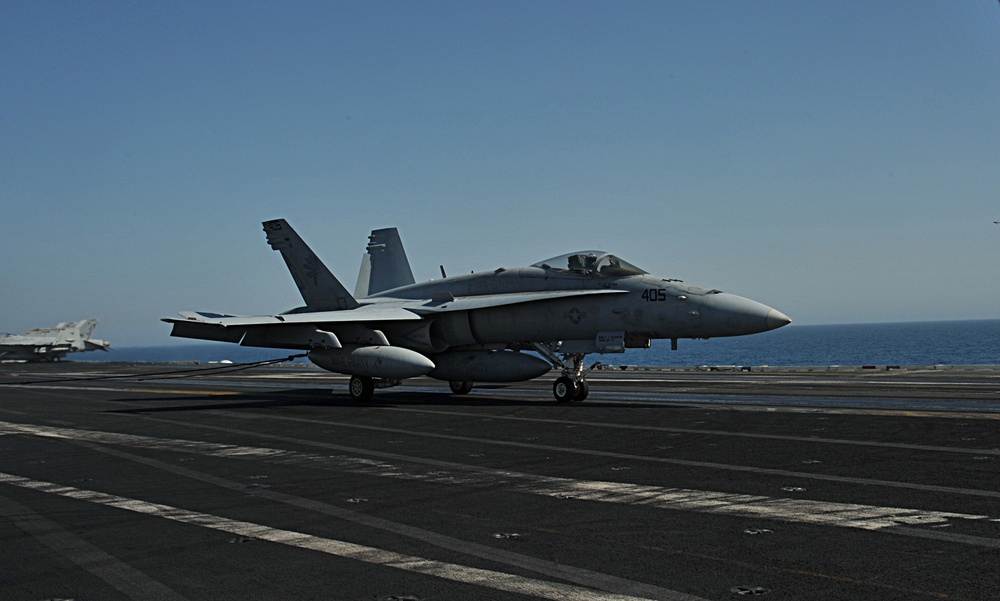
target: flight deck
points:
(122, 481)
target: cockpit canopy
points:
(591, 262)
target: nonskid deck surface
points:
(671, 484)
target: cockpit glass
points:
(591, 262)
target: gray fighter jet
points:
(480, 327)
(51, 344)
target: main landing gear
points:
(460, 388)
(362, 388)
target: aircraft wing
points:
(290, 330)
(467, 303)
(311, 329)
(413, 311)
(362, 314)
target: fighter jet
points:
(480, 327)
(51, 344)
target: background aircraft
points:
(51, 344)
(474, 328)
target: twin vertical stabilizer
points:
(75, 331)
(384, 266)
(320, 289)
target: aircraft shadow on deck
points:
(312, 397)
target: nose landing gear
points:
(571, 385)
(566, 389)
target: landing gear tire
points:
(582, 390)
(460, 387)
(361, 389)
(565, 389)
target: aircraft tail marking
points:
(319, 288)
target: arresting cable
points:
(174, 374)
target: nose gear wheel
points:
(571, 385)
(564, 389)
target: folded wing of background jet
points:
(474, 328)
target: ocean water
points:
(915, 343)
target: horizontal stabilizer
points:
(96, 345)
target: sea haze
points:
(915, 343)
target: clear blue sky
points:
(839, 161)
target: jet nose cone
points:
(776, 319)
(725, 314)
